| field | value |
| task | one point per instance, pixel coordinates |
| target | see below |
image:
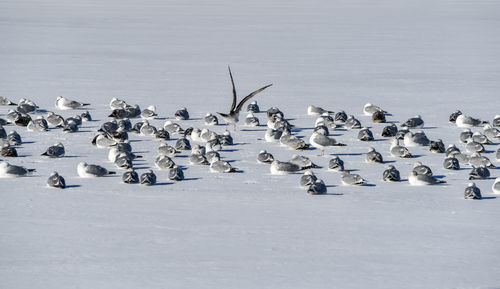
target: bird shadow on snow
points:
(246, 129)
(191, 179)
(72, 186)
(430, 127)
(488, 198)
(347, 154)
(388, 162)
(368, 185)
(164, 183)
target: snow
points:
(249, 229)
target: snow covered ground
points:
(250, 229)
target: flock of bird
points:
(206, 146)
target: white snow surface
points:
(249, 229)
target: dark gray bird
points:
(390, 130)
(378, 117)
(336, 164)
(303, 162)
(465, 135)
(340, 117)
(55, 151)
(365, 134)
(437, 146)
(211, 119)
(175, 174)
(86, 116)
(472, 192)
(56, 181)
(421, 169)
(264, 157)
(307, 179)
(373, 156)
(8, 171)
(451, 163)
(352, 123)
(182, 144)
(479, 173)
(414, 122)
(182, 114)
(454, 115)
(9, 151)
(13, 138)
(130, 177)
(148, 178)
(317, 188)
(391, 174)
(164, 163)
(253, 107)
(233, 116)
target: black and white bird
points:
(55, 151)
(8, 171)
(148, 178)
(472, 192)
(232, 117)
(64, 103)
(56, 181)
(391, 174)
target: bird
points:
(352, 123)
(370, 109)
(365, 134)
(88, 171)
(307, 179)
(372, 156)
(182, 114)
(451, 163)
(130, 177)
(54, 119)
(251, 120)
(316, 110)
(378, 117)
(302, 161)
(283, 168)
(391, 174)
(148, 178)
(416, 139)
(264, 157)
(454, 115)
(149, 112)
(55, 151)
(421, 169)
(175, 174)
(437, 146)
(253, 107)
(496, 121)
(65, 104)
(8, 171)
(336, 164)
(220, 166)
(321, 142)
(479, 173)
(473, 146)
(56, 181)
(468, 121)
(390, 130)
(421, 180)
(491, 132)
(211, 119)
(496, 186)
(478, 160)
(399, 150)
(472, 192)
(8, 150)
(352, 179)
(465, 135)
(340, 117)
(317, 188)
(6, 101)
(414, 122)
(232, 117)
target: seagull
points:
(340, 116)
(8, 151)
(130, 177)
(399, 150)
(336, 164)
(167, 150)
(479, 173)
(370, 109)
(414, 122)
(496, 121)
(303, 162)
(8, 171)
(421, 169)
(390, 130)
(317, 188)
(55, 151)
(467, 121)
(478, 160)
(365, 134)
(320, 141)
(480, 138)
(6, 101)
(472, 192)
(233, 116)
(416, 139)
(251, 120)
(465, 135)
(316, 110)
(373, 156)
(211, 119)
(421, 180)
(175, 174)
(349, 179)
(473, 146)
(54, 119)
(39, 124)
(182, 144)
(352, 123)
(283, 168)
(264, 157)
(391, 174)
(454, 115)
(437, 146)
(219, 166)
(378, 117)
(496, 186)
(148, 178)
(149, 112)
(86, 116)
(451, 163)
(307, 179)
(116, 103)
(88, 171)
(491, 132)
(253, 107)
(56, 181)
(163, 162)
(64, 103)
(182, 114)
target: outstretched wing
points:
(242, 102)
(234, 91)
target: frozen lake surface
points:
(250, 229)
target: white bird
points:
(88, 171)
(64, 103)
(283, 168)
(467, 121)
(321, 142)
(421, 180)
(116, 103)
(149, 112)
(233, 116)
(496, 186)
(316, 110)
(416, 139)
(399, 150)
(349, 179)
(8, 171)
(370, 109)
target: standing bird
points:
(64, 103)
(233, 116)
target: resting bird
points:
(233, 116)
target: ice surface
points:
(250, 229)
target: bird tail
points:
(44, 154)
(85, 104)
(340, 145)
(111, 173)
(31, 170)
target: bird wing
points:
(242, 102)
(234, 91)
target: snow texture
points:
(250, 229)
